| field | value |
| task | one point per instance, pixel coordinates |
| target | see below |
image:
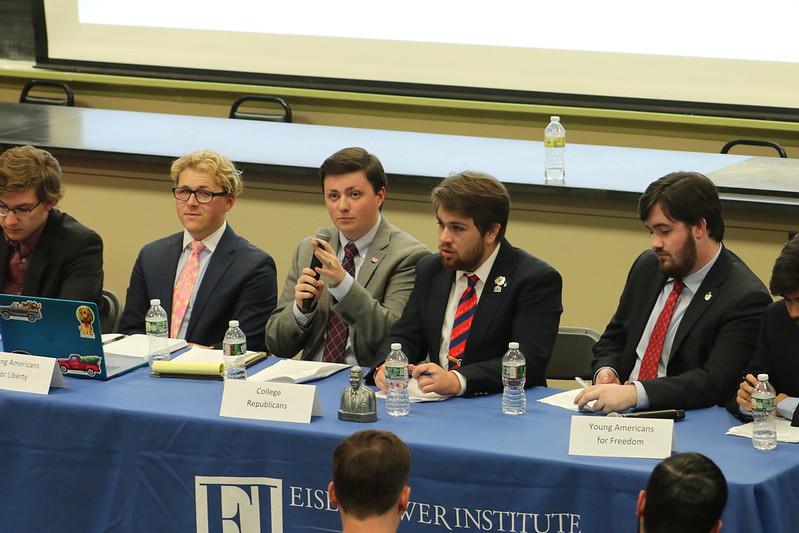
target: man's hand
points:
(745, 390)
(308, 287)
(609, 397)
(331, 268)
(606, 376)
(432, 378)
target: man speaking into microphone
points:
(341, 306)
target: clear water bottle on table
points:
(764, 434)
(396, 366)
(234, 351)
(514, 373)
(555, 152)
(157, 329)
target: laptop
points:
(67, 330)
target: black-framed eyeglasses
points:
(204, 197)
(22, 213)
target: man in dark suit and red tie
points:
(476, 295)
(688, 317)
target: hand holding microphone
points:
(306, 303)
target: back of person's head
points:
(370, 471)
(475, 195)
(25, 167)
(785, 274)
(686, 493)
(686, 197)
(219, 167)
(355, 159)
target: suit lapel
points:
(218, 265)
(440, 286)
(703, 299)
(375, 253)
(41, 255)
(166, 284)
(490, 301)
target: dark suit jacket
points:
(777, 354)
(527, 310)
(240, 283)
(67, 262)
(713, 342)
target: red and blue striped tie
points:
(462, 323)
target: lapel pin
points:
(708, 296)
(499, 282)
(375, 259)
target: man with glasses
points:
(44, 252)
(205, 275)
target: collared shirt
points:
(19, 257)
(210, 243)
(459, 285)
(342, 289)
(692, 284)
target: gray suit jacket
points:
(374, 302)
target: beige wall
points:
(591, 243)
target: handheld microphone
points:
(321, 234)
(671, 414)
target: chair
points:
(111, 312)
(26, 98)
(285, 116)
(754, 142)
(572, 354)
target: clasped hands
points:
(331, 270)
(608, 394)
(430, 377)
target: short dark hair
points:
(352, 160)
(785, 274)
(686, 197)
(687, 493)
(478, 196)
(25, 167)
(370, 469)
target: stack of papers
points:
(785, 432)
(297, 371)
(135, 345)
(415, 394)
(198, 362)
(565, 400)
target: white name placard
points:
(284, 402)
(648, 438)
(29, 373)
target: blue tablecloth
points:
(144, 454)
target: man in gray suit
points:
(365, 272)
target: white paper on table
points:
(416, 395)
(205, 355)
(137, 346)
(565, 400)
(297, 371)
(785, 432)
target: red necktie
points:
(649, 365)
(337, 328)
(462, 323)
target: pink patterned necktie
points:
(185, 286)
(462, 323)
(649, 365)
(337, 328)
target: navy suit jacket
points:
(67, 262)
(713, 343)
(240, 283)
(777, 355)
(526, 310)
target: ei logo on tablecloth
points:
(238, 504)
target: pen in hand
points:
(582, 382)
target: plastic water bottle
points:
(234, 351)
(156, 327)
(397, 401)
(764, 436)
(555, 152)
(514, 371)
